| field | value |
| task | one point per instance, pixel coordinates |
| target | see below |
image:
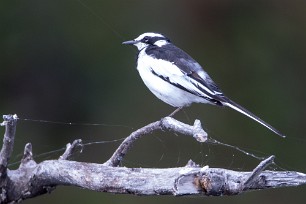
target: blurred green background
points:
(61, 61)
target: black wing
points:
(187, 65)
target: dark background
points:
(60, 61)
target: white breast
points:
(162, 89)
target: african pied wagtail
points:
(177, 79)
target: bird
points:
(177, 79)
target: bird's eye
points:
(146, 39)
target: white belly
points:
(162, 89)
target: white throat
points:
(140, 45)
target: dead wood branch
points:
(32, 179)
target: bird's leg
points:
(175, 111)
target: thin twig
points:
(27, 162)
(122, 150)
(71, 149)
(27, 153)
(165, 123)
(256, 172)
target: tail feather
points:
(244, 111)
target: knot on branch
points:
(214, 184)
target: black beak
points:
(130, 42)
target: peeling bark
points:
(32, 179)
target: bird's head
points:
(147, 39)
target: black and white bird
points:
(177, 79)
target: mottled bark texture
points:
(32, 179)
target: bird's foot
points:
(175, 111)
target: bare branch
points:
(8, 142)
(165, 123)
(71, 149)
(176, 126)
(32, 179)
(10, 122)
(143, 181)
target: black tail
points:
(244, 111)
